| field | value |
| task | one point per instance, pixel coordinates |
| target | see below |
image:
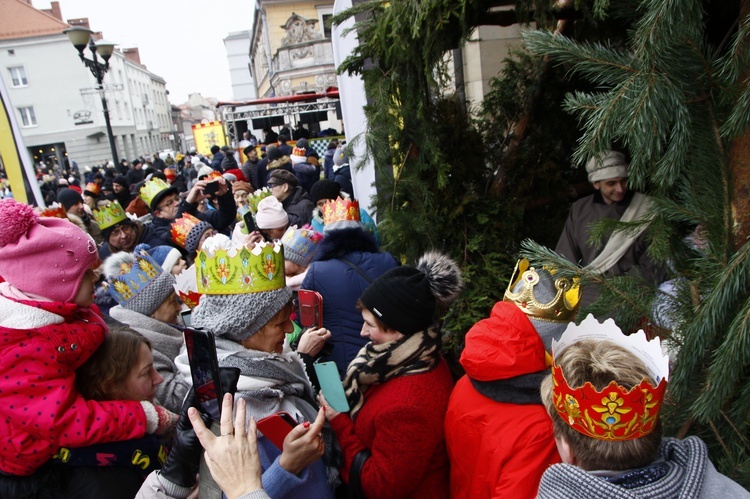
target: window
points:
(28, 118)
(18, 76)
(326, 27)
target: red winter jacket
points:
(401, 424)
(41, 345)
(498, 449)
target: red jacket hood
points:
(504, 345)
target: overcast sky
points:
(180, 40)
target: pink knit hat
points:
(43, 256)
(271, 214)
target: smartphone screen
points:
(249, 222)
(204, 369)
(186, 316)
(310, 308)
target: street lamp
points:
(80, 37)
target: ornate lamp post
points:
(80, 37)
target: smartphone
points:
(310, 308)
(211, 188)
(276, 427)
(186, 316)
(331, 385)
(204, 369)
(249, 222)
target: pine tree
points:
(676, 96)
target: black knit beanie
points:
(324, 189)
(68, 198)
(406, 298)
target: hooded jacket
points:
(41, 346)
(341, 286)
(500, 441)
(299, 207)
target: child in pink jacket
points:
(48, 328)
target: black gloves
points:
(184, 457)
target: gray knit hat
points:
(137, 282)
(239, 316)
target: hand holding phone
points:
(276, 427)
(211, 188)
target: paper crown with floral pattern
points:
(54, 210)
(614, 413)
(109, 214)
(340, 210)
(224, 267)
(152, 188)
(562, 308)
(186, 287)
(182, 227)
(256, 197)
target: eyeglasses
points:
(271, 186)
(121, 231)
(169, 202)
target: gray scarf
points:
(685, 461)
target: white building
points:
(55, 96)
(238, 56)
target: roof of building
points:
(18, 19)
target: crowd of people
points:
(96, 384)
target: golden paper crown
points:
(151, 189)
(181, 228)
(614, 413)
(109, 214)
(340, 210)
(562, 308)
(93, 188)
(54, 210)
(186, 287)
(226, 268)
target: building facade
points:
(56, 98)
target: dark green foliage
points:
(676, 101)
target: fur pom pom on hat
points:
(46, 256)
(406, 298)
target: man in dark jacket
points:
(218, 157)
(294, 199)
(228, 163)
(250, 167)
(285, 148)
(165, 205)
(120, 191)
(135, 174)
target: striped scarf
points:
(374, 364)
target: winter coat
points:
(229, 163)
(299, 207)
(499, 444)
(41, 345)
(341, 286)
(262, 172)
(283, 163)
(166, 342)
(328, 164)
(343, 176)
(683, 470)
(216, 161)
(306, 174)
(250, 171)
(401, 424)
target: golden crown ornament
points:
(151, 189)
(562, 308)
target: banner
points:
(208, 134)
(14, 156)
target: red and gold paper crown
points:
(340, 210)
(186, 287)
(93, 188)
(54, 210)
(213, 176)
(181, 228)
(614, 413)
